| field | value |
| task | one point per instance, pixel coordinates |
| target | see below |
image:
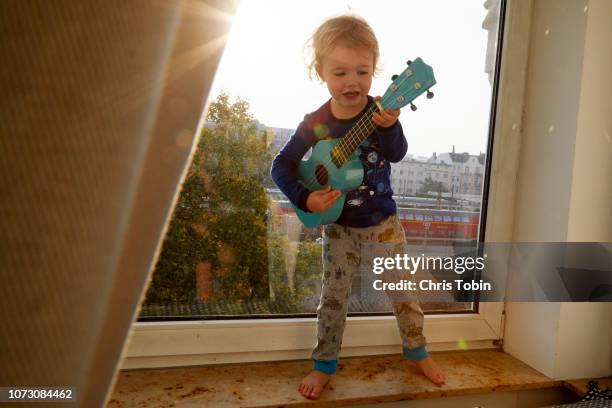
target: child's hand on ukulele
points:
(321, 200)
(386, 118)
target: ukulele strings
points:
(363, 122)
(351, 137)
(361, 125)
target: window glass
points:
(234, 245)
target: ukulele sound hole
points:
(321, 174)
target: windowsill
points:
(360, 380)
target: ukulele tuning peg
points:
(393, 77)
(408, 62)
(413, 107)
(430, 94)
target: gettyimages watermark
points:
(491, 272)
(411, 265)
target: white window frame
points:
(167, 344)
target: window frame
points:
(179, 343)
(169, 344)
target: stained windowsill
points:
(360, 380)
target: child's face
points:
(348, 75)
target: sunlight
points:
(264, 63)
(205, 11)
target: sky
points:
(264, 62)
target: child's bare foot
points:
(431, 370)
(312, 385)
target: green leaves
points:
(430, 184)
(222, 206)
(219, 249)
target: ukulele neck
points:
(355, 136)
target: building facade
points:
(460, 174)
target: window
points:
(235, 246)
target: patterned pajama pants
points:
(345, 251)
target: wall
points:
(564, 179)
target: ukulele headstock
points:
(417, 78)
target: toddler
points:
(345, 57)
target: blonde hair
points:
(350, 30)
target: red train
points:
(428, 223)
(420, 223)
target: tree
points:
(219, 224)
(218, 247)
(308, 269)
(295, 269)
(430, 184)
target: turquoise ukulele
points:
(336, 162)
